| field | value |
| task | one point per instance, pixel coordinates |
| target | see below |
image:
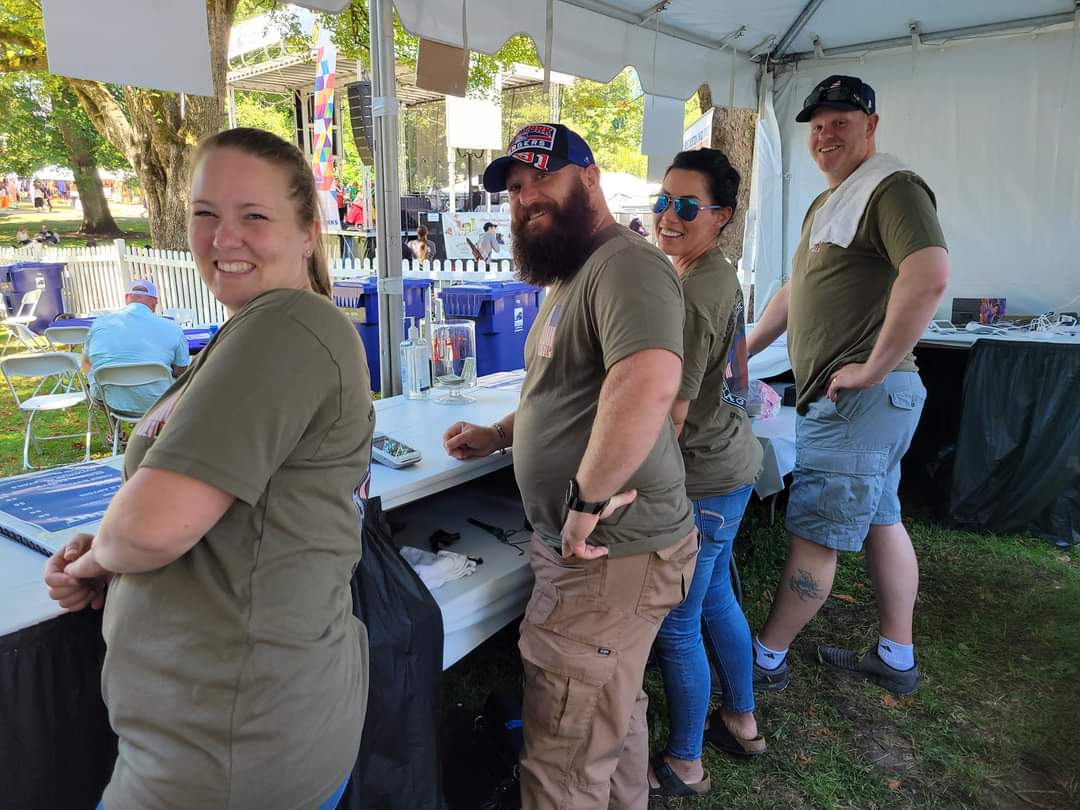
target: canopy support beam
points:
(384, 112)
(809, 10)
(1019, 26)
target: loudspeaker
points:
(363, 130)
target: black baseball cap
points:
(547, 147)
(839, 93)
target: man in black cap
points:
(867, 277)
(598, 464)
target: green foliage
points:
(29, 135)
(610, 118)
(265, 111)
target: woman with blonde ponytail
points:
(236, 674)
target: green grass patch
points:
(992, 727)
(66, 221)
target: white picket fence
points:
(96, 278)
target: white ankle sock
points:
(897, 656)
(767, 658)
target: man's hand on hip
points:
(579, 525)
(853, 377)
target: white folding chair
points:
(18, 325)
(20, 333)
(61, 366)
(66, 335)
(70, 336)
(126, 375)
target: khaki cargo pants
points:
(584, 643)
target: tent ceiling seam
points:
(1003, 28)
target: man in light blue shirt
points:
(135, 335)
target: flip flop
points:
(672, 785)
(718, 735)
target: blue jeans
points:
(710, 606)
(329, 804)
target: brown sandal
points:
(671, 784)
(719, 736)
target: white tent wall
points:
(588, 44)
(993, 126)
(763, 239)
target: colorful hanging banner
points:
(322, 151)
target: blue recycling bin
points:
(359, 300)
(18, 279)
(504, 312)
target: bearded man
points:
(597, 461)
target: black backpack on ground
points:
(482, 768)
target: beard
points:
(557, 251)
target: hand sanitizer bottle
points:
(421, 351)
(415, 364)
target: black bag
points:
(399, 764)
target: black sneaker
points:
(871, 667)
(771, 680)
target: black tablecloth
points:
(1017, 463)
(56, 747)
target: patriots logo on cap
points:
(534, 136)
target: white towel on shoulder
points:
(838, 219)
(437, 569)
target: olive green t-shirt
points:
(236, 676)
(719, 448)
(838, 295)
(625, 299)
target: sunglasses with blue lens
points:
(686, 208)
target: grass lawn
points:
(998, 641)
(998, 637)
(66, 222)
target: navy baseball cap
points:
(547, 147)
(839, 93)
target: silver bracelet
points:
(502, 437)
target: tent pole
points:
(384, 111)
(796, 27)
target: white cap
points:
(142, 286)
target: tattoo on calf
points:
(805, 586)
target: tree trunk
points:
(97, 218)
(704, 97)
(159, 132)
(733, 134)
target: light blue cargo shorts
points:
(847, 461)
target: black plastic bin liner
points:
(399, 765)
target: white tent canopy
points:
(989, 118)
(984, 102)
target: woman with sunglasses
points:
(722, 459)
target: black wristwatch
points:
(575, 504)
